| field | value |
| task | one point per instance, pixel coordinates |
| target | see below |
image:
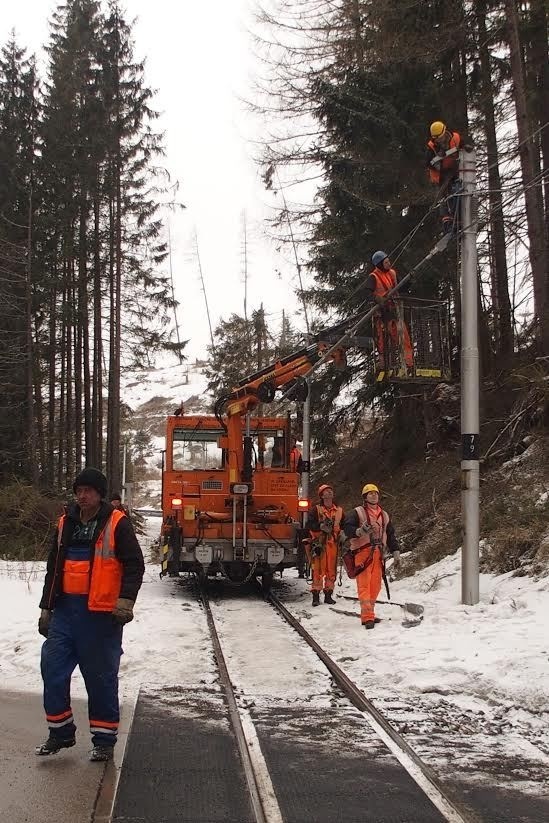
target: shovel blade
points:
(414, 608)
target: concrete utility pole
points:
(306, 456)
(123, 489)
(469, 384)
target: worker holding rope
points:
(442, 161)
(324, 524)
(388, 323)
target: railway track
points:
(262, 795)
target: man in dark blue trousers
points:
(94, 572)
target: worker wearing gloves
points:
(387, 321)
(324, 524)
(371, 535)
(95, 569)
(442, 161)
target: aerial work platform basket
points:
(411, 339)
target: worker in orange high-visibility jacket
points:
(324, 524)
(296, 458)
(442, 161)
(371, 535)
(94, 572)
(387, 321)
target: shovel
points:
(411, 608)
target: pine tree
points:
(137, 246)
(18, 375)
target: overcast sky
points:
(198, 57)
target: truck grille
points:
(212, 485)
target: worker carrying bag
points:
(353, 569)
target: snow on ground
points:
(265, 661)
(496, 650)
(470, 678)
(167, 642)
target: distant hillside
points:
(152, 395)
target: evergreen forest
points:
(83, 289)
(344, 95)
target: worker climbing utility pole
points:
(469, 384)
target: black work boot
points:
(370, 624)
(328, 598)
(100, 754)
(316, 598)
(53, 745)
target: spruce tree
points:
(18, 114)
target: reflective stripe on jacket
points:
(446, 163)
(372, 517)
(103, 587)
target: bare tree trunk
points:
(539, 14)
(499, 274)
(32, 457)
(39, 406)
(83, 315)
(62, 427)
(96, 456)
(532, 196)
(51, 474)
(113, 424)
(69, 374)
(77, 343)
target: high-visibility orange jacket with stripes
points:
(115, 567)
(448, 166)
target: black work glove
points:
(123, 611)
(44, 622)
(316, 548)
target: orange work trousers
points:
(324, 568)
(391, 327)
(368, 582)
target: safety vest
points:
(103, 588)
(378, 518)
(445, 162)
(323, 512)
(385, 281)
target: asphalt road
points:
(61, 788)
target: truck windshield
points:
(270, 448)
(197, 450)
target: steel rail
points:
(234, 715)
(363, 704)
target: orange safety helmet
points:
(323, 488)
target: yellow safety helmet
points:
(437, 129)
(369, 487)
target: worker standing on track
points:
(442, 161)
(371, 534)
(387, 321)
(324, 524)
(95, 569)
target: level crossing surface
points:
(181, 765)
